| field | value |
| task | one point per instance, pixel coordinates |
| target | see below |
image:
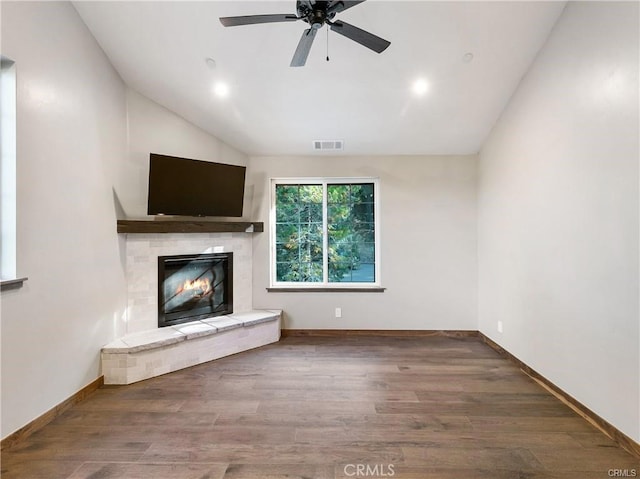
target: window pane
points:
(339, 219)
(286, 233)
(311, 232)
(367, 252)
(311, 213)
(362, 212)
(364, 232)
(310, 251)
(299, 233)
(299, 230)
(287, 253)
(288, 271)
(351, 267)
(286, 212)
(362, 193)
(351, 230)
(364, 273)
(299, 272)
(311, 194)
(338, 194)
(287, 194)
(339, 271)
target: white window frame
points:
(325, 284)
(8, 269)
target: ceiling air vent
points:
(328, 145)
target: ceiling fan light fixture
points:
(316, 13)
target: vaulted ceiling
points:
(470, 57)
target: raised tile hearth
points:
(147, 354)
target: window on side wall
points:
(7, 171)
(325, 233)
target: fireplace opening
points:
(192, 287)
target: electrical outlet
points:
(338, 312)
(500, 326)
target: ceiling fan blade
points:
(364, 38)
(338, 6)
(254, 19)
(304, 46)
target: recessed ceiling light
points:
(420, 87)
(221, 89)
(468, 57)
(211, 63)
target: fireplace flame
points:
(199, 287)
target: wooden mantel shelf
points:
(172, 226)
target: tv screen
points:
(184, 187)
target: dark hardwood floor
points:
(326, 408)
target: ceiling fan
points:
(316, 13)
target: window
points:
(7, 169)
(325, 233)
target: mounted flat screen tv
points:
(184, 187)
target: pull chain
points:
(327, 43)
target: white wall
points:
(558, 214)
(83, 153)
(71, 134)
(428, 256)
(154, 129)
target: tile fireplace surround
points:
(142, 251)
(146, 350)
